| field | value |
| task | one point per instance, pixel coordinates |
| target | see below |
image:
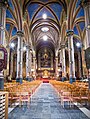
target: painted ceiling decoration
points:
(26, 15)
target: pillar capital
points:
(70, 33)
(3, 3)
(62, 46)
(28, 47)
(87, 27)
(20, 33)
(1, 27)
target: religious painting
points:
(45, 60)
(1, 55)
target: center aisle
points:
(45, 104)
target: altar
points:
(45, 74)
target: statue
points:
(45, 74)
(45, 60)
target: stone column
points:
(86, 5)
(84, 63)
(19, 56)
(63, 62)
(14, 73)
(7, 70)
(34, 66)
(2, 22)
(11, 69)
(80, 63)
(2, 36)
(28, 64)
(60, 64)
(71, 56)
(56, 71)
(51, 60)
(39, 61)
(60, 56)
(8, 61)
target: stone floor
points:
(45, 104)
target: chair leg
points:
(63, 104)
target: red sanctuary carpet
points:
(45, 80)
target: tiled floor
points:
(45, 105)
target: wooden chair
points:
(84, 96)
(76, 96)
(24, 97)
(65, 97)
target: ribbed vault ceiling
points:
(58, 12)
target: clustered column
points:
(60, 56)
(19, 56)
(11, 67)
(2, 35)
(8, 61)
(80, 63)
(51, 60)
(34, 66)
(56, 59)
(63, 62)
(87, 21)
(71, 56)
(2, 22)
(60, 74)
(28, 64)
(39, 61)
(86, 5)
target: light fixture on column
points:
(78, 44)
(24, 48)
(12, 45)
(88, 26)
(79, 52)
(44, 16)
(45, 38)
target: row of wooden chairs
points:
(72, 93)
(21, 92)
